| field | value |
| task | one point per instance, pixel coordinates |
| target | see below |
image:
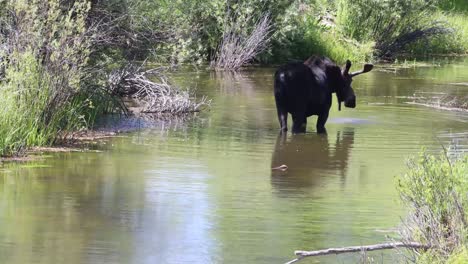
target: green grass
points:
(29, 114)
(450, 44)
(44, 94)
(312, 38)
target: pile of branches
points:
(237, 48)
(151, 96)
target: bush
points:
(311, 29)
(455, 42)
(434, 189)
(47, 49)
(392, 24)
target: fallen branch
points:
(153, 96)
(302, 254)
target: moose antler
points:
(367, 68)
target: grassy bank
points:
(45, 51)
(58, 65)
(434, 190)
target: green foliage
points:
(376, 20)
(191, 30)
(459, 257)
(42, 93)
(434, 188)
(312, 37)
(456, 42)
(453, 5)
(431, 181)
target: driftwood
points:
(153, 96)
(329, 251)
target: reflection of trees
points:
(137, 203)
(242, 94)
(69, 212)
(308, 158)
(395, 86)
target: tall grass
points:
(44, 59)
(308, 29)
(315, 39)
(393, 25)
(454, 43)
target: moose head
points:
(344, 91)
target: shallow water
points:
(202, 191)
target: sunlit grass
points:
(447, 44)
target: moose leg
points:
(299, 124)
(282, 112)
(283, 120)
(322, 119)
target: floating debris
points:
(281, 168)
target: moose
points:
(305, 89)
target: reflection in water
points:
(310, 157)
(202, 191)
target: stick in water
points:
(302, 254)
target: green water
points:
(202, 191)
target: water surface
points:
(202, 191)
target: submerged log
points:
(329, 251)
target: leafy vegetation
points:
(56, 56)
(434, 189)
(43, 56)
(340, 29)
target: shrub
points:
(311, 29)
(434, 188)
(47, 48)
(392, 24)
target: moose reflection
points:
(309, 157)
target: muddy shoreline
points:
(107, 127)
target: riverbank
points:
(206, 184)
(62, 73)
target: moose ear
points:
(347, 67)
(367, 68)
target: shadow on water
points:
(310, 157)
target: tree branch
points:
(302, 254)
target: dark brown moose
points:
(305, 89)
